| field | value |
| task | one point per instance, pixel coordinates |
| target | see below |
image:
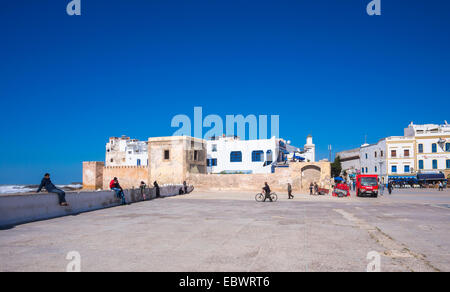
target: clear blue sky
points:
(67, 83)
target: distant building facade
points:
(422, 149)
(350, 161)
(233, 155)
(123, 151)
(373, 159)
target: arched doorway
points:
(310, 174)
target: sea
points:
(17, 189)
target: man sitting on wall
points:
(50, 187)
(115, 186)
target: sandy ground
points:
(217, 231)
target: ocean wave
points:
(17, 189)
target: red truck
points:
(367, 184)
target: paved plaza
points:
(219, 231)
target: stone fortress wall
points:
(173, 160)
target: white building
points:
(232, 155)
(423, 148)
(373, 159)
(432, 147)
(124, 151)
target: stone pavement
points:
(207, 231)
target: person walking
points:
(390, 188)
(441, 186)
(142, 187)
(51, 188)
(316, 189)
(115, 186)
(266, 191)
(155, 184)
(289, 189)
(311, 187)
(185, 187)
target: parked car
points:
(367, 184)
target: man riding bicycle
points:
(266, 191)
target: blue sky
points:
(67, 83)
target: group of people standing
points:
(313, 188)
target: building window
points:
(214, 162)
(406, 169)
(269, 158)
(214, 148)
(406, 152)
(381, 153)
(420, 164)
(362, 170)
(367, 156)
(195, 155)
(447, 147)
(447, 164)
(166, 154)
(208, 162)
(435, 166)
(112, 160)
(236, 156)
(375, 154)
(394, 169)
(257, 156)
(434, 148)
(420, 148)
(367, 170)
(138, 162)
(376, 169)
(393, 153)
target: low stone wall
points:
(23, 208)
(299, 175)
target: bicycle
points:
(260, 197)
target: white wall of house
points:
(124, 151)
(428, 156)
(401, 156)
(373, 159)
(221, 149)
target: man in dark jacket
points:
(390, 186)
(51, 188)
(155, 184)
(185, 187)
(290, 196)
(266, 190)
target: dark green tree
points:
(336, 167)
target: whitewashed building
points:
(123, 151)
(233, 155)
(432, 147)
(422, 149)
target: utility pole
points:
(329, 149)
